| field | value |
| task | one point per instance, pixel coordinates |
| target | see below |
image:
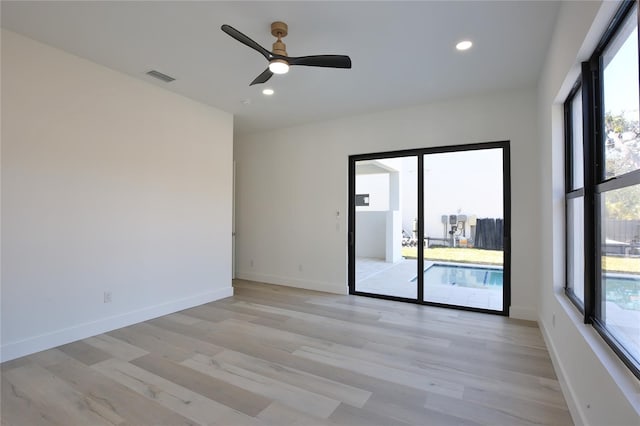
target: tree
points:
(623, 204)
(622, 155)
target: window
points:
(603, 188)
(620, 101)
(575, 249)
(575, 143)
(575, 197)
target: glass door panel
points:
(464, 228)
(386, 238)
(620, 270)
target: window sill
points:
(626, 381)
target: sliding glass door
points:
(464, 228)
(431, 226)
(385, 217)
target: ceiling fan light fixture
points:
(464, 45)
(278, 66)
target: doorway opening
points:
(432, 226)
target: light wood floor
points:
(280, 356)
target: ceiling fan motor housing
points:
(279, 30)
(279, 48)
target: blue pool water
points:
(623, 290)
(463, 276)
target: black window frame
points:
(595, 184)
(571, 192)
(420, 153)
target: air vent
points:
(160, 76)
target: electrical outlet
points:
(107, 297)
(553, 319)
(300, 267)
(251, 263)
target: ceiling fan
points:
(279, 61)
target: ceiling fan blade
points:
(246, 40)
(329, 61)
(262, 78)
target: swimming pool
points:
(623, 290)
(463, 276)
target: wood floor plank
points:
(267, 336)
(534, 412)
(115, 347)
(226, 393)
(212, 313)
(391, 374)
(478, 412)
(19, 409)
(140, 336)
(182, 318)
(458, 330)
(357, 335)
(320, 385)
(467, 373)
(19, 362)
(174, 397)
(48, 357)
(52, 398)
(120, 400)
(297, 305)
(181, 336)
(274, 354)
(414, 414)
(314, 404)
(278, 414)
(233, 305)
(462, 359)
(84, 352)
(279, 356)
(348, 415)
(363, 331)
(392, 317)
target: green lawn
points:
(627, 265)
(460, 255)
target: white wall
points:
(371, 235)
(108, 184)
(599, 389)
(292, 181)
(377, 186)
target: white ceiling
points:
(402, 52)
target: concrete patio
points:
(398, 279)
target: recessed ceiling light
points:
(267, 92)
(464, 45)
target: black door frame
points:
(420, 153)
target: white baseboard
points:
(567, 390)
(520, 312)
(42, 342)
(295, 282)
